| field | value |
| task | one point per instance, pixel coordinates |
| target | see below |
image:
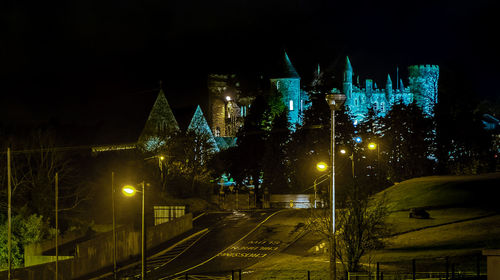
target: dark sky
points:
(77, 60)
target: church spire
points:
(161, 122)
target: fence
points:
(163, 214)
(323, 275)
(468, 267)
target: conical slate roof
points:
(389, 81)
(285, 69)
(161, 120)
(199, 125)
(348, 66)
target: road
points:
(224, 242)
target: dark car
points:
(419, 213)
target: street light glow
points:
(343, 151)
(228, 98)
(321, 166)
(358, 139)
(129, 190)
(372, 146)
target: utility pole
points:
(57, 224)
(9, 213)
(114, 223)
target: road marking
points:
(227, 248)
(194, 219)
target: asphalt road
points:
(225, 242)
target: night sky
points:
(77, 61)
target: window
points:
(382, 105)
(375, 106)
(217, 132)
(291, 105)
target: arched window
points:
(291, 105)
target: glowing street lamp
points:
(372, 146)
(351, 157)
(321, 166)
(129, 191)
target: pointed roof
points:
(401, 85)
(199, 125)
(161, 120)
(389, 81)
(285, 68)
(348, 66)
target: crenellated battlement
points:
(418, 70)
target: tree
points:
(26, 229)
(407, 138)
(463, 146)
(251, 145)
(360, 226)
(34, 164)
(275, 161)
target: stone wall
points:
(96, 255)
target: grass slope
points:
(478, 191)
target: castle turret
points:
(388, 86)
(348, 78)
(286, 82)
(424, 86)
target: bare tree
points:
(34, 164)
(360, 227)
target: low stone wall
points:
(97, 254)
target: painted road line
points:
(199, 216)
(227, 248)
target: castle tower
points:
(388, 88)
(388, 85)
(424, 86)
(286, 83)
(223, 91)
(348, 78)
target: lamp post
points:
(114, 222)
(335, 101)
(351, 157)
(321, 166)
(373, 146)
(129, 190)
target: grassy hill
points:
(434, 192)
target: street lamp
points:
(372, 146)
(351, 157)
(335, 102)
(321, 166)
(129, 191)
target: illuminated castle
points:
(423, 88)
(228, 107)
